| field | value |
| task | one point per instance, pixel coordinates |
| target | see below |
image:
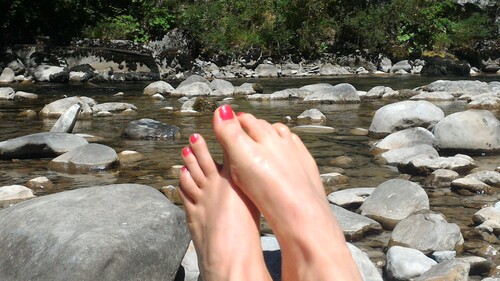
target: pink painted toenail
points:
(186, 151)
(194, 137)
(184, 169)
(226, 112)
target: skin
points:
(223, 222)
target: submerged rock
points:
(149, 129)
(340, 93)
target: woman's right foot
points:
(273, 168)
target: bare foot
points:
(223, 223)
(273, 168)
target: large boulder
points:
(85, 158)
(424, 164)
(340, 93)
(57, 108)
(193, 89)
(149, 129)
(329, 69)
(427, 232)
(50, 73)
(266, 70)
(471, 130)
(193, 79)
(40, 145)
(394, 200)
(437, 66)
(406, 138)
(114, 232)
(403, 65)
(405, 114)
(221, 87)
(459, 87)
(401, 155)
(158, 87)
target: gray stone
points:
(221, 87)
(354, 226)
(150, 129)
(15, 193)
(441, 256)
(400, 155)
(113, 107)
(403, 65)
(7, 75)
(95, 233)
(57, 108)
(314, 129)
(405, 114)
(427, 232)
(378, 92)
(266, 70)
(67, 120)
(485, 101)
(405, 138)
(366, 267)
(20, 95)
(440, 178)
(86, 158)
(246, 89)
(193, 79)
(40, 184)
(7, 93)
(487, 214)
(329, 69)
(288, 94)
(426, 164)
(471, 186)
(350, 198)
(394, 200)
(50, 73)
(334, 179)
(458, 87)
(406, 263)
(40, 145)
(488, 177)
(193, 89)
(385, 64)
(434, 96)
(474, 130)
(313, 116)
(340, 93)
(158, 87)
(455, 270)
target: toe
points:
(192, 165)
(188, 189)
(282, 130)
(202, 154)
(228, 130)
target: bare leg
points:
(223, 222)
(274, 169)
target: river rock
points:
(221, 87)
(7, 75)
(7, 93)
(15, 193)
(434, 96)
(67, 120)
(193, 79)
(57, 108)
(471, 186)
(442, 256)
(401, 155)
(266, 70)
(354, 226)
(193, 89)
(334, 179)
(488, 177)
(81, 73)
(113, 107)
(20, 95)
(485, 101)
(406, 263)
(40, 184)
(455, 270)
(51, 73)
(394, 200)
(312, 116)
(247, 89)
(158, 87)
(93, 233)
(86, 158)
(329, 69)
(366, 267)
(426, 164)
(405, 114)
(427, 232)
(403, 65)
(437, 66)
(350, 198)
(458, 87)
(340, 93)
(487, 214)
(40, 145)
(405, 138)
(377, 92)
(149, 129)
(440, 178)
(474, 130)
(314, 129)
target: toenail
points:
(186, 151)
(226, 112)
(194, 137)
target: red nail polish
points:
(186, 151)
(226, 112)
(194, 137)
(183, 169)
(240, 113)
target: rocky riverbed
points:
(413, 177)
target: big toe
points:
(228, 129)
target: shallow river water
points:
(154, 170)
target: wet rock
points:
(15, 193)
(340, 93)
(427, 232)
(488, 177)
(247, 89)
(7, 75)
(7, 93)
(312, 116)
(40, 184)
(426, 164)
(205, 105)
(67, 120)
(471, 186)
(440, 178)
(354, 226)
(86, 158)
(400, 155)
(434, 96)
(474, 130)
(57, 108)
(394, 200)
(193, 89)
(406, 263)
(40, 145)
(129, 156)
(221, 87)
(20, 95)
(406, 138)
(400, 94)
(350, 198)
(158, 87)
(458, 87)
(93, 233)
(403, 65)
(405, 114)
(113, 107)
(149, 129)
(456, 270)
(334, 179)
(359, 132)
(366, 267)
(52, 74)
(28, 114)
(187, 106)
(341, 161)
(266, 70)
(286, 94)
(329, 69)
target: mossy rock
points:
(205, 105)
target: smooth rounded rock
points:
(158, 87)
(406, 263)
(405, 138)
(340, 93)
(350, 198)
(426, 164)
(89, 157)
(354, 226)
(440, 178)
(400, 155)
(14, 193)
(193, 89)
(313, 116)
(57, 108)
(455, 270)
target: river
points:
(160, 156)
